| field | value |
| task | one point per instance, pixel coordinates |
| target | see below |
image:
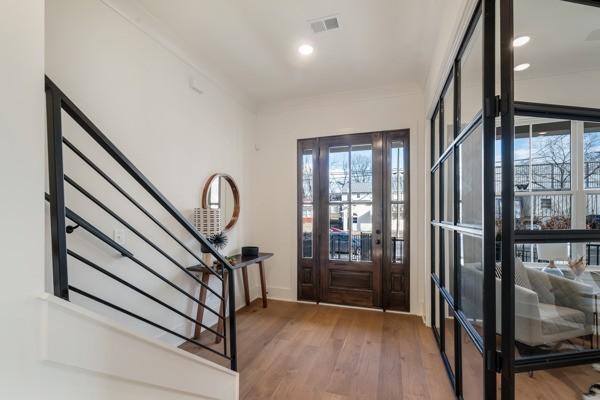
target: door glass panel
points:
(436, 138)
(307, 176)
(339, 173)
(362, 173)
(471, 277)
(436, 195)
(397, 225)
(471, 78)
(449, 335)
(436, 319)
(470, 178)
(449, 115)
(436, 243)
(339, 246)
(307, 231)
(472, 364)
(448, 176)
(362, 236)
(449, 260)
(397, 171)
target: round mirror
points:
(220, 191)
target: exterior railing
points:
(360, 247)
(57, 103)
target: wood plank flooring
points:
(304, 351)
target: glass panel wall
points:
(457, 217)
(551, 116)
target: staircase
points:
(162, 280)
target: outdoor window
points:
(542, 174)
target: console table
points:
(238, 262)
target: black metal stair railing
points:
(56, 103)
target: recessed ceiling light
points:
(305, 49)
(521, 41)
(522, 67)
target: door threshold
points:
(353, 307)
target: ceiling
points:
(253, 43)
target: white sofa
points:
(553, 310)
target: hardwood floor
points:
(304, 351)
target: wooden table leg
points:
(221, 323)
(202, 298)
(263, 284)
(245, 279)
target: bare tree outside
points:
(551, 162)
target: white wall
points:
(117, 67)
(25, 339)
(273, 220)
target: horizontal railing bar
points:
(94, 231)
(135, 288)
(122, 191)
(93, 199)
(168, 282)
(134, 315)
(108, 146)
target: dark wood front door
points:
(353, 220)
(350, 223)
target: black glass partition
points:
(515, 206)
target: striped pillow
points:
(521, 277)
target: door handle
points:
(378, 241)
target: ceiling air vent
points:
(324, 24)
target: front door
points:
(360, 226)
(351, 219)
